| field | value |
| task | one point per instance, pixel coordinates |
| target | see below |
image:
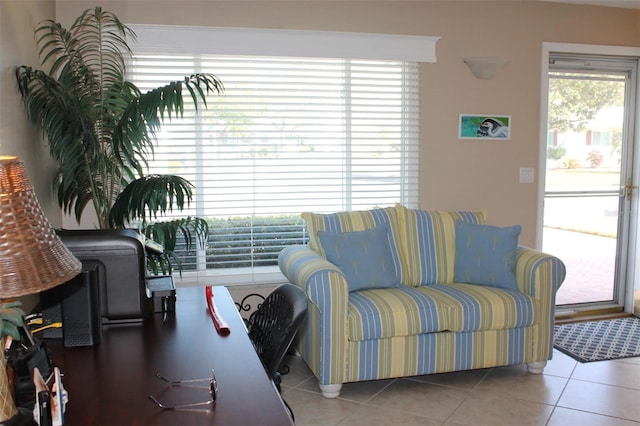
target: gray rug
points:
(599, 340)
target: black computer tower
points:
(74, 304)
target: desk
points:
(109, 383)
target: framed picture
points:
(483, 126)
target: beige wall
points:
(454, 174)
(17, 137)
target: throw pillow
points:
(486, 255)
(364, 257)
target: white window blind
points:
(287, 135)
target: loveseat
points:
(396, 292)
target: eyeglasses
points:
(213, 392)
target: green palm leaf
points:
(148, 196)
(190, 228)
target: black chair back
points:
(273, 326)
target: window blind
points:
(288, 135)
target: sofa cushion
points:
(473, 307)
(428, 244)
(401, 311)
(486, 255)
(364, 257)
(408, 311)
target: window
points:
(289, 134)
(600, 138)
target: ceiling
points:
(628, 4)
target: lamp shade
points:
(32, 257)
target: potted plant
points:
(101, 129)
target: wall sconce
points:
(485, 67)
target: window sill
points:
(230, 277)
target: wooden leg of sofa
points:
(332, 390)
(536, 367)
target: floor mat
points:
(599, 340)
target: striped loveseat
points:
(427, 322)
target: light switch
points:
(526, 175)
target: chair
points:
(273, 326)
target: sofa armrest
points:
(538, 274)
(310, 271)
(323, 343)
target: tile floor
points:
(568, 393)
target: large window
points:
(288, 135)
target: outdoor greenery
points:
(246, 241)
(582, 177)
(572, 163)
(556, 152)
(595, 158)
(101, 128)
(574, 102)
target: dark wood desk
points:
(109, 383)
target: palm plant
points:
(101, 128)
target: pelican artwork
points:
(493, 128)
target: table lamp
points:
(32, 257)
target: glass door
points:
(588, 175)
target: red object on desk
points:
(221, 325)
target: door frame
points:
(632, 267)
